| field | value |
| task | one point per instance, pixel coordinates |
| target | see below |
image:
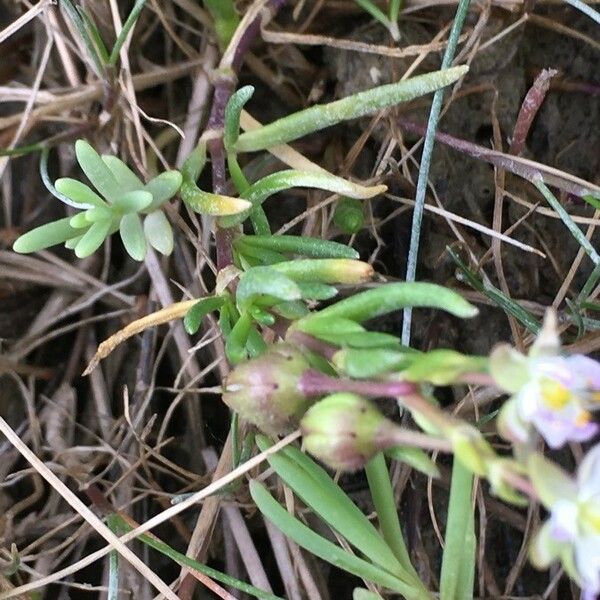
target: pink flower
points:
(551, 394)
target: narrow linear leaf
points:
(45, 236)
(79, 25)
(323, 548)
(312, 484)
(235, 344)
(365, 103)
(304, 246)
(193, 318)
(124, 33)
(326, 270)
(153, 542)
(395, 296)
(384, 501)
(290, 178)
(458, 561)
(233, 110)
(496, 295)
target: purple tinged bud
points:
(265, 392)
(344, 431)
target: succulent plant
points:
(121, 203)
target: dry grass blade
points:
(154, 521)
(32, 13)
(165, 315)
(85, 512)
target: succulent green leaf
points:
(395, 296)
(194, 163)
(316, 291)
(235, 344)
(132, 234)
(71, 243)
(233, 111)
(79, 192)
(326, 270)
(96, 171)
(158, 232)
(92, 239)
(303, 246)
(263, 255)
(80, 221)
(369, 362)
(292, 310)
(194, 316)
(264, 281)
(99, 213)
(45, 236)
(207, 203)
(163, 187)
(128, 181)
(345, 332)
(261, 316)
(365, 103)
(280, 181)
(132, 202)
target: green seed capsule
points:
(349, 215)
(264, 390)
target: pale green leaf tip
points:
(20, 246)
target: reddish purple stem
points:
(315, 383)
(527, 169)
(531, 104)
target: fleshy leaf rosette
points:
(552, 394)
(121, 202)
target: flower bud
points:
(345, 431)
(264, 390)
